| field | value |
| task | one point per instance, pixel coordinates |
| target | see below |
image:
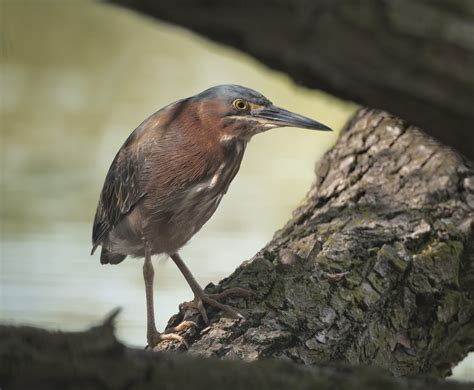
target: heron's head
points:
(238, 113)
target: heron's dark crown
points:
(230, 92)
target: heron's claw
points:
(156, 338)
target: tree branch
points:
(413, 58)
(33, 358)
(376, 266)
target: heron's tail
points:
(107, 257)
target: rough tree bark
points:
(376, 266)
(413, 58)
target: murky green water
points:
(76, 79)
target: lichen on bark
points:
(375, 267)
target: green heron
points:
(169, 177)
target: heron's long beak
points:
(280, 117)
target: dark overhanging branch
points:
(413, 58)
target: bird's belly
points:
(184, 219)
(187, 211)
(165, 232)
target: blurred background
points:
(76, 78)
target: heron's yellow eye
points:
(240, 105)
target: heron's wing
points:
(122, 189)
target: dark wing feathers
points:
(121, 191)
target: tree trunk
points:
(414, 58)
(376, 266)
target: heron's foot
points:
(156, 338)
(201, 298)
